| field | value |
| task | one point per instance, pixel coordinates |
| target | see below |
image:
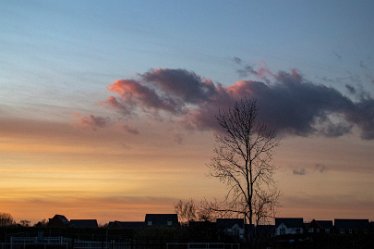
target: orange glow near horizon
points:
(108, 174)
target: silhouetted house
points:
(371, 227)
(129, 225)
(350, 226)
(84, 224)
(201, 231)
(161, 220)
(58, 221)
(265, 231)
(231, 227)
(285, 226)
(319, 226)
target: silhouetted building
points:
(350, 226)
(83, 224)
(265, 231)
(130, 225)
(371, 227)
(161, 220)
(231, 227)
(319, 226)
(58, 221)
(285, 226)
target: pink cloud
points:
(135, 95)
(286, 101)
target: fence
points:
(202, 245)
(36, 242)
(65, 243)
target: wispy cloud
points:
(93, 121)
(321, 168)
(299, 172)
(287, 101)
(317, 168)
(178, 138)
(130, 129)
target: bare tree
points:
(264, 205)
(242, 160)
(186, 211)
(189, 210)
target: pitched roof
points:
(228, 223)
(323, 223)
(161, 219)
(352, 223)
(126, 224)
(265, 228)
(87, 223)
(289, 222)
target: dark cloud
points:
(237, 60)
(246, 70)
(335, 130)
(363, 116)
(288, 102)
(181, 84)
(351, 89)
(299, 172)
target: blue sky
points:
(58, 58)
(104, 40)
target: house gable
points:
(163, 220)
(285, 226)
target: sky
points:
(107, 107)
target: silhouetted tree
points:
(242, 160)
(6, 220)
(186, 211)
(41, 223)
(25, 223)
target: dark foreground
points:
(205, 237)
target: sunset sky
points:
(107, 107)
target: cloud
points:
(178, 138)
(335, 130)
(93, 121)
(286, 101)
(261, 72)
(131, 130)
(320, 168)
(351, 89)
(299, 172)
(133, 94)
(246, 71)
(237, 60)
(181, 84)
(337, 55)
